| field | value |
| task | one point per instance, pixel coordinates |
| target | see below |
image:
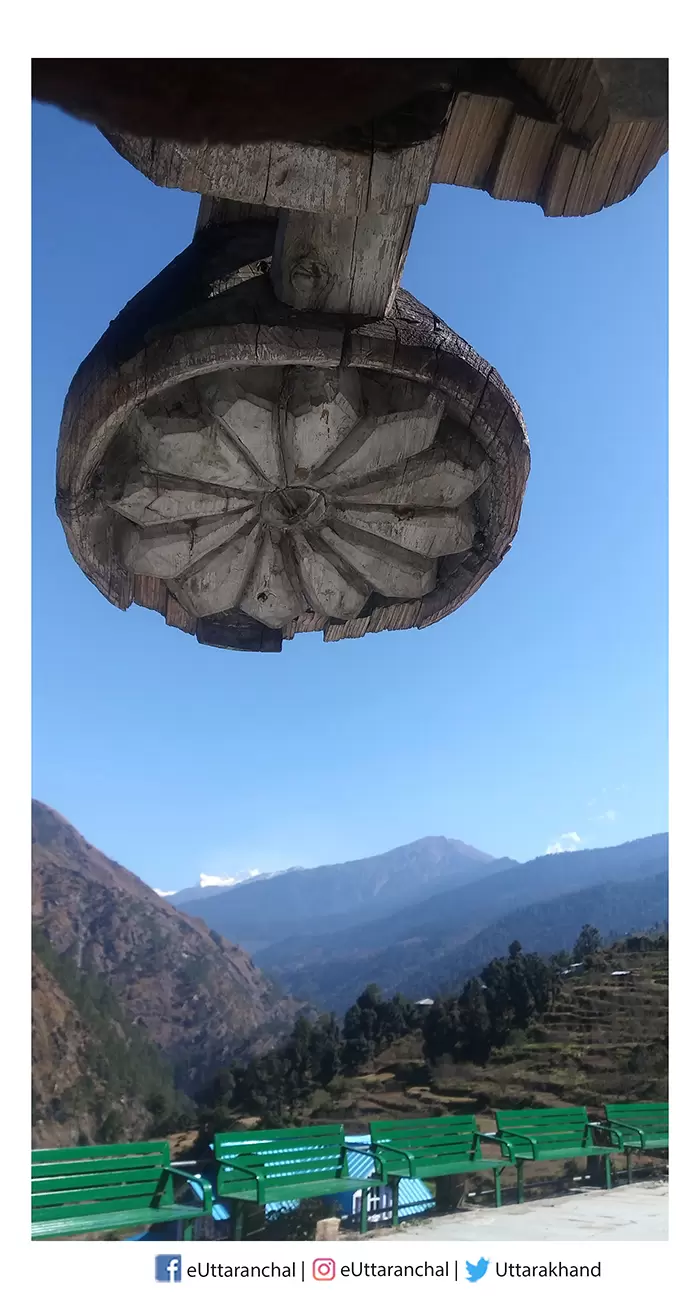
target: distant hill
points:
(320, 900)
(424, 969)
(416, 948)
(553, 926)
(103, 939)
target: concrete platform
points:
(626, 1213)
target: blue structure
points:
(414, 1197)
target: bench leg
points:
(363, 1212)
(238, 1221)
(521, 1186)
(497, 1185)
(394, 1183)
(188, 1230)
(608, 1173)
(629, 1165)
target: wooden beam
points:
(349, 264)
(226, 211)
(308, 178)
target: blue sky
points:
(535, 712)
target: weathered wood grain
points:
(346, 264)
(304, 178)
(606, 129)
(404, 462)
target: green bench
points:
(106, 1188)
(276, 1166)
(439, 1147)
(544, 1134)
(642, 1126)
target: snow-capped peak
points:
(224, 881)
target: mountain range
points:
(304, 903)
(410, 919)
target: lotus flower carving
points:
(287, 490)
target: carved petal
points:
(329, 591)
(429, 532)
(386, 568)
(152, 498)
(432, 480)
(216, 585)
(380, 441)
(269, 595)
(185, 448)
(170, 551)
(322, 407)
(246, 404)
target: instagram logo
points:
(324, 1269)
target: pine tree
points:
(474, 1040)
(588, 942)
(440, 1029)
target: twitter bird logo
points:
(475, 1271)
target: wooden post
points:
(348, 264)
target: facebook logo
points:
(168, 1267)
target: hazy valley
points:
(138, 998)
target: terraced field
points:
(605, 1040)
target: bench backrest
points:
(282, 1157)
(425, 1138)
(84, 1180)
(651, 1116)
(550, 1128)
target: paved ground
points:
(626, 1213)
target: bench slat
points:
(82, 1154)
(112, 1221)
(446, 1121)
(282, 1160)
(436, 1146)
(90, 1199)
(325, 1133)
(142, 1178)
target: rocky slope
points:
(195, 996)
(95, 1077)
